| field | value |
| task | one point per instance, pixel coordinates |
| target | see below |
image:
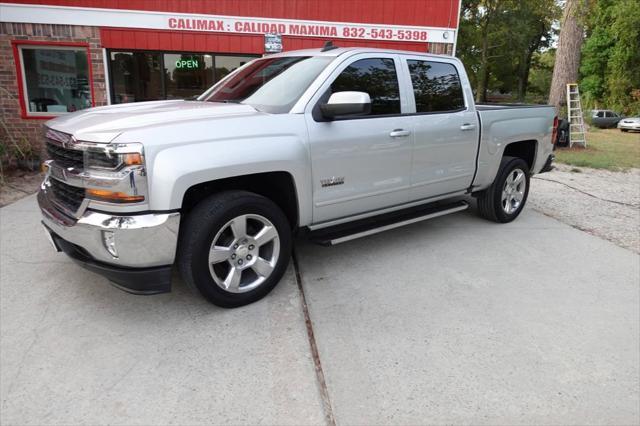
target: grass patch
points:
(608, 149)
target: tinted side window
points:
(378, 78)
(600, 114)
(608, 114)
(436, 86)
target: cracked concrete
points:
(75, 350)
(453, 321)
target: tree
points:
(532, 24)
(481, 32)
(568, 53)
(610, 69)
(540, 75)
(498, 39)
(624, 67)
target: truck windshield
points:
(271, 85)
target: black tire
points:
(490, 200)
(203, 223)
(623, 130)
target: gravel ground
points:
(603, 203)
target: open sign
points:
(187, 63)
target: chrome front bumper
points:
(142, 240)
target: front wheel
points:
(234, 248)
(503, 201)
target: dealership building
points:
(60, 56)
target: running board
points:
(375, 225)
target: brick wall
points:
(9, 98)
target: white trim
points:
(23, 72)
(107, 84)
(124, 18)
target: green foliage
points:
(541, 74)
(610, 66)
(498, 40)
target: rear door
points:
(611, 118)
(445, 127)
(598, 119)
(360, 164)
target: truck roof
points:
(337, 51)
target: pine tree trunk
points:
(567, 63)
(483, 75)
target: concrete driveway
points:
(456, 320)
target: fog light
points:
(109, 240)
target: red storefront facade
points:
(58, 56)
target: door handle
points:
(399, 133)
(467, 126)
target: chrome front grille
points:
(66, 152)
(68, 196)
(65, 157)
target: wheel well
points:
(522, 149)
(276, 186)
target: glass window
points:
(378, 78)
(187, 75)
(56, 79)
(600, 114)
(226, 64)
(147, 76)
(608, 114)
(272, 84)
(436, 86)
(136, 76)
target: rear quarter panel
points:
(502, 126)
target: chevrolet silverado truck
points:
(332, 144)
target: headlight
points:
(115, 173)
(113, 157)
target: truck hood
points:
(104, 124)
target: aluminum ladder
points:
(576, 120)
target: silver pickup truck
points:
(333, 144)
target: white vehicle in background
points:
(629, 124)
(332, 143)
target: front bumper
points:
(145, 244)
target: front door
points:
(363, 163)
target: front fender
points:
(175, 169)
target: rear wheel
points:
(234, 248)
(503, 201)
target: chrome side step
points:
(332, 237)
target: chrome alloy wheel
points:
(244, 253)
(513, 191)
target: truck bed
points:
(490, 106)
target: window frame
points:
(109, 75)
(412, 100)
(17, 46)
(313, 106)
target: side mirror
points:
(346, 103)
